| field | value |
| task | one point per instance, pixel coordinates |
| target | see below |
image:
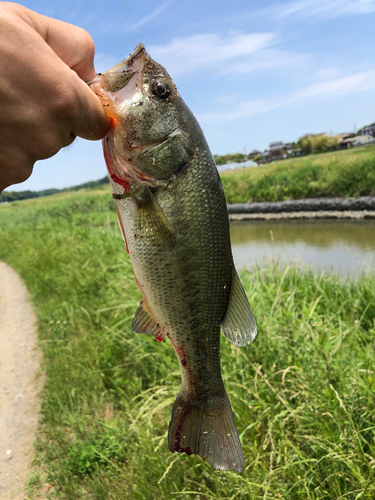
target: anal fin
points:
(144, 323)
(239, 324)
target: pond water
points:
(346, 246)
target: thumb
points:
(92, 122)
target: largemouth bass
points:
(173, 216)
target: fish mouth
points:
(109, 84)
(114, 79)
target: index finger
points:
(73, 45)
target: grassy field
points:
(302, 393)
(342, 173)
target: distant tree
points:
(24, 195)
(318, 144)
(219, 160)
(230, 158)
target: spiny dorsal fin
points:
(143, 323)
(151, 220)
(239, 324)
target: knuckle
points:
(85, 47)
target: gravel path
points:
(19, 384)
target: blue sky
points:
(252, 72)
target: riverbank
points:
(340, 174)
(312, 208)
(322, 214)
(343, 174)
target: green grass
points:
(342, 173)
(302, 393)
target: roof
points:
(363, 130)
(368, 127)
(277, 147)
(363, 138)
(359, 138)
(305, 136)
(276, 143)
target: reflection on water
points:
(345, 246)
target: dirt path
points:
(19, 384)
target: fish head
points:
(149, 142)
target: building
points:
(345, 135)
(264, 157)
(343, 143)
(296, 152)
(254, 153)
(363, 140)
(368, 130)
(359, 140)
(277, 151)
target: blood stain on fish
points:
(124, 183)
(178, 434)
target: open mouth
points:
(114, 79)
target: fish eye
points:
(161, 90)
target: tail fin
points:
(207, 430)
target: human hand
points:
(45, 102)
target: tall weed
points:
(330, 174)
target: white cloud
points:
(332, 88)
(210, 50)
(304, 9)
(266, 59)
(151, 16)
(344, 86)
(329, 73)
(120, 26)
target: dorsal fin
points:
(144, 323)
(239, 324)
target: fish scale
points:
(172, 212)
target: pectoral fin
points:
(151, 220)
(144, 323)
(239, 324)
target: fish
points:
(173, 217)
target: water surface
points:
(346, 246)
